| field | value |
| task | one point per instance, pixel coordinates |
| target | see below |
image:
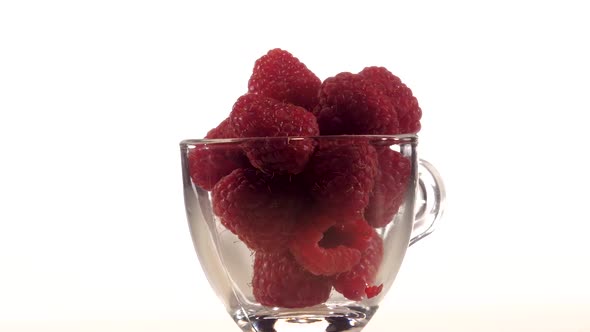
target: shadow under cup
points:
(333, 180)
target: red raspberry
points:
(258, 116)
(390, 186)
(223, 130)
(278, 281)
(279, 75)
(354, 234)
(259, 209)
(406, 105)
(350, 104)
(340, 177)
(208, 164)
(373, 101)
(373, 291)
(324, 247)
(357, 283)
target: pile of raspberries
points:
(308, 207)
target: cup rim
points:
(391, 139)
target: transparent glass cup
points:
(339, 180)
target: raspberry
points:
(373, 291)
(223, 130)
(340, 177)
(374, 101)
(406, 105)
(209, 163)
(259, 209)
(324, 247)
(278, 281)
(281, 76)
(390, 186)
(355, 234)
(258, 116)
(356, 283)
(350, 104)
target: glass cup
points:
(306, 233)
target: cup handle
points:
(430, 201)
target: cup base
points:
(325, 319)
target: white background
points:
(96, 95)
